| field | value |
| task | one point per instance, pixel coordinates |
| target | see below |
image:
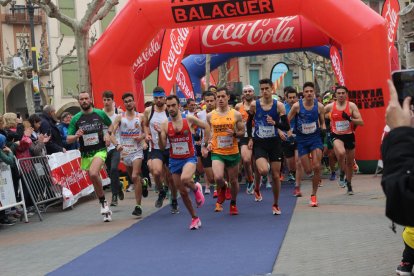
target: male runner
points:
(183, 158)
(87, 126)
(132, 142)
(113, 157)
(210, 101)
(289, 144)
(269, 116)
(344, 116)
(246, 152)
(226, 124)
(159, 159)
(309, 124)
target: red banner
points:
(337, 65)
(147, 61)
(172, 52)
(184, 82)
(390, 11)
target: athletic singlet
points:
(157, 119)
(245, 117)
(221, 142)
(307, 121)
(92, 125)
(292, 122)
(196, 129)
(182, 144)
(338, 124)
(263, 130)
(129, 130)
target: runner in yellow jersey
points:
(226, 125)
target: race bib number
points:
(90, 139)
(129, 146)
(342, 125)
(225, 141)
(266, 131)
(309, 128)
(180, 148)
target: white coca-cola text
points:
(253, 33)
(336, 62)
(178, 39)
(391, 16)
(148, 53)
(182, 83)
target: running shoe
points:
(333, 176)
(349, 186)
(233, 210)
(195, 223)
(131, 188)
(264, 180)
(199, 195)
(114, 201)
(137, 211)
(276, 210)
(405, 269)
(161, 196)
(6, 221)
(282, 177)
(145, 187)
(207, 190)
(291, 177)
(250, 188)
(342, 183)
(121, 194)
(219, 207)
(215, 193)
(320, 183)
(296, 192)
(174, 207)
(104, 208)
(257, 196)
(221, 197)
(313, 201)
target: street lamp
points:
(49, 90)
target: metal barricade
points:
(37, 178)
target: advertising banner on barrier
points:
(7, 196)
(66, 172)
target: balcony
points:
(21, 17)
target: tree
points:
(97, 10)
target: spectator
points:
(6, 156)
(13, 129)
(63, 129)
(38, 147)
(398, 175)
(48, 126)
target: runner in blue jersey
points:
(308, 114)
(269, 116)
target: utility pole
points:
(407, 26)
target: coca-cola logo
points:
(178, 38)
(149, 52)
(390, 13)
(182, 83)
(337, 66)
(277, 30)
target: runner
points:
(87, 126)
(210, 101)
(226, 124)
(269, 116)
(289, 144)
(344, 116)
(159, 159)
(309, 124)
(113, 156)
(132, 143)
(183, 158)
(246, 151)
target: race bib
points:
(129, 146)
(90, 139)
(266, 131)
(180, 148)
(309, 128)
(342, 125)
(225, 141)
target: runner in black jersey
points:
(88, 126)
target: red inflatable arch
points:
(360, 32)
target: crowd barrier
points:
(55, 179)
(7, 194)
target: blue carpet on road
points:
(162, 244)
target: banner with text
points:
(337, 65)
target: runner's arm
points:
(145, 123)
(240, 130)
(162, 134)
(322, 116)
(203, 125)
(293, 111)
(356, 118)
(284, 123)
(113, 129)
(249, 123)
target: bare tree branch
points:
(53, 11)
(62, 61)
(109, 4)
(92, 10)
(5, 2)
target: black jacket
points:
(48, 126)
(398, 175)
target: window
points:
(254, 78)
(70, 79)
(67, 7)
(108, 19)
